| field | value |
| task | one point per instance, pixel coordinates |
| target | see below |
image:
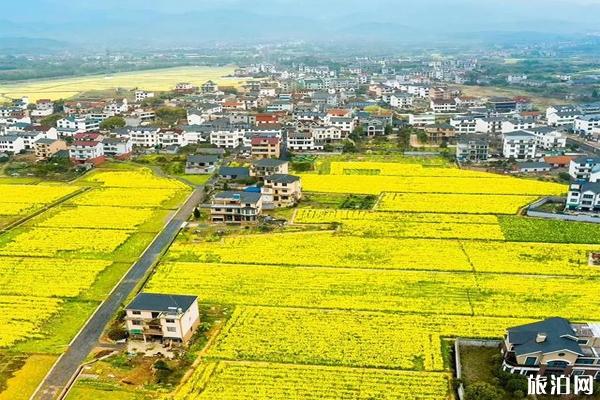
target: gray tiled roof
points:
(161, 302)
(556, 330)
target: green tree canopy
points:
(112, 123)
(482, 391)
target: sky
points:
(185, 22)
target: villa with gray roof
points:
(553, 346)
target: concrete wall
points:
(533, 212)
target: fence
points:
(468, 342)
(532, 211)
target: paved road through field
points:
(68, 365)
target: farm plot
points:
(98, 217)
(125, 197)
(24, 317)
(454, 203)
(142, 178)
(379, 184)
(422, 230)
(327, 249)
(33, 194)
(531, 258)
(318, 287)
(263, 381)
(362, 339)
(52, 242)
(321, 216)
(399, 169)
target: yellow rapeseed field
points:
(454, 203)
(157, 79)
(374, 298)
(267, 381)
(365, 184)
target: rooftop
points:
(559, 335)
(161, 302)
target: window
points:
(136, 312)
(561, 354)
(587, 361)
(171, 329)
(582, 341)
(136, 322)
(530, 360)
(170, 321)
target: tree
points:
(171, 115)
(349, 147)
(422, 136)
(482, 391)
(50, 120)
(357, 133)
(564, 176)
(388, 130)
(112, 122)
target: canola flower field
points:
(57, 266)
(364, 309)
(153, 80)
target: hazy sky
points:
(183, 21)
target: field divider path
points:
(63, 374)
(47, 207)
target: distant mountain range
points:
(135, 23)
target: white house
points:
(162, 316)
(489, 125)
(421, 119)
(441, 106)
(11, 144)
(302, 141)
(43, 108)
(581, 167)
(585, 196)
(585, 124)
(143, 136)
(345, 125)
(117, 146)
(326, 134)
(171, 137)
(561, 118)
(227, 137)
(517, 124)
(548, 138)
(464, 124)
(141, 95)
(80, 124)
(195, 117)
(86, 151)
(401, 100)
(519, 145)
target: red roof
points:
(270, 118)
(337, 112)
(265, 140)
(558, 160)
(85, 143)
(86, 136)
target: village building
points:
(236, 207)
(163, 317)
